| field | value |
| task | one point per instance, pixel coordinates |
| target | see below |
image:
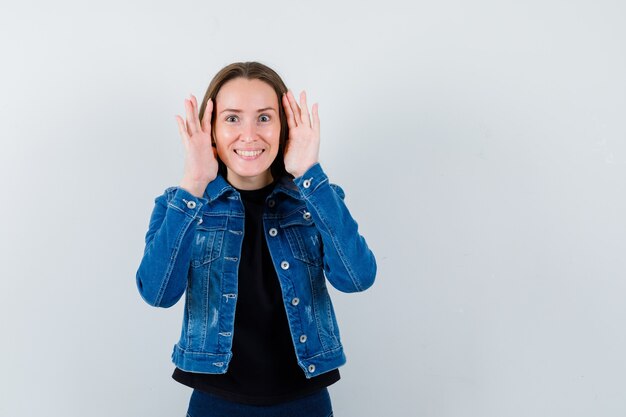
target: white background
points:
(481, 146)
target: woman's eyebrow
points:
(240, 111)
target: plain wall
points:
(481, 146)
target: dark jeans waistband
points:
(205, 404)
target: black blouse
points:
(264, 368)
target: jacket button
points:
(271, 203)
(311, 368)
(295, 301)
(306, 215)
(306, 183)
(200, 220)
(273, 232)
(191, 204)
(284, 265)
(303, 338)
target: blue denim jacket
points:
(193, 247)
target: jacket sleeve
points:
(349, 265)
(162, 274)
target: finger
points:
(186, 120)
(206, 117)
(196, 111)
(184, 136)
(316, 117)
(192, 127)
(294, 106)
(291, 122)
(306, 118)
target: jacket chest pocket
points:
(208, 240)
(303, 237)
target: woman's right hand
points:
(200, 156)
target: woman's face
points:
(247, 131)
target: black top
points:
(264, 368)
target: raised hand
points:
(302, 150)
(200, 156)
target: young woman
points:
(250, 236)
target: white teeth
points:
(248, 153)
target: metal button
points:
(295, 301)
(284, 265)
(200, 220)
(306, 215)
(306, 183)
(191, 204)
(271, 203)
(273, 231)
(303, 338)
(311, 368)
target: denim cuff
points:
(186, 202)
(311, 179)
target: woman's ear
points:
(213, 132)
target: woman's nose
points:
(249, 131)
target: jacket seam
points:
(170, 266)
(325, 352)
(353, 278)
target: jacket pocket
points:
(208, 240)
(303, 237)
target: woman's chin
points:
(249, 174)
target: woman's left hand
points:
(302, 149)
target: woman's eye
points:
(264, 118)
(231, 118)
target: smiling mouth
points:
(249, 154)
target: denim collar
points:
(219, 186)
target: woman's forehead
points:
(246, 94)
